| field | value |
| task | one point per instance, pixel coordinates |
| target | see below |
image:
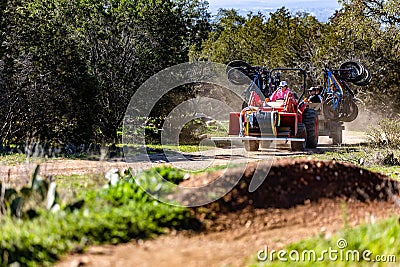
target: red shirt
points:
(280, 93)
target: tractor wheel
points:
(337, 137)
(310, 120)
(351, 112)
(301, 133)
(329, 111)
(251, 145)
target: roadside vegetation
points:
(120, 212)
(13, 158)
(382, 160)
(380, 153)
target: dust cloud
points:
(364, 121)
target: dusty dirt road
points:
(20, 174)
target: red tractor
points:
(290, 116)
(286, 118)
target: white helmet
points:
(283, 83)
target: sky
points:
(319, 8)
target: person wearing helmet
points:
(281, 93)
(315, 96)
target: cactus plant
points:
(25, 203)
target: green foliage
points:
(180, 148)
(28, 202)
(362, 30)
(191, 131)
(381, 239)
(281, 40)
(391, 171)
(69, 68)
(385, 133)
(377, 159)
(110, 215)
(169, 173)
(373, 42)
(71, 186)
(12, 158)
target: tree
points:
(45, 87)
(222, 43)
(374, 42)
(196, 18)
(126, 43)
(280, 40)
(69, 68)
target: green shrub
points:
(385, 133)
(169, 173)
(109, 215)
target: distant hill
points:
(322, 10)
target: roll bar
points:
(293, 69)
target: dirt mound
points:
(292, 182)
(299, 199)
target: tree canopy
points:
(69, 68)
(361, 30)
